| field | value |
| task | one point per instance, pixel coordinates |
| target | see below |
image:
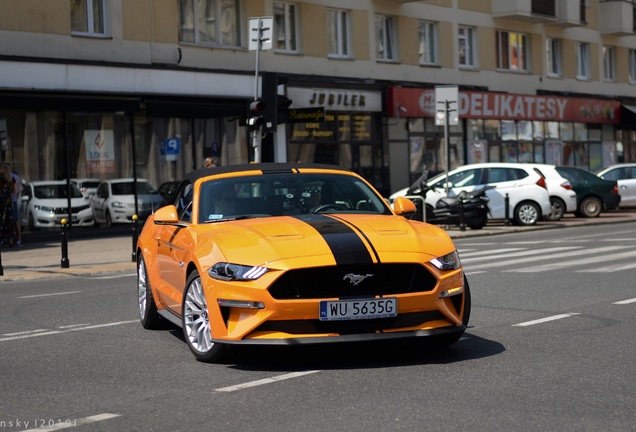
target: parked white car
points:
(87, 186)
(562, 196)
(114, 201)
(625, 176)
(43, 204)
(526, 188)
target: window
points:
(632, 66)
(609, 63)
(210, 22)
(553, 56)
(512, 51)
(88, 16)
(583, 60)
(285, 37)
(384, 38)
(338, 33)
(467, 47)
(428, 42)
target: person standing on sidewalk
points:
(15, 195)
(7, 225)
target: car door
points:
(174, 243)
(507, 181)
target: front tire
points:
(196, 323)
(448, 340)
(590, 207)
(148, 315)
(527, 213)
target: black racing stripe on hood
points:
(361, 234)
(347, 246)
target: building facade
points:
(150, 88)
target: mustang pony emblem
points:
(355, 279)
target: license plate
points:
(342, 310)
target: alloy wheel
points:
(195, 318)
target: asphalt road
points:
(550, 347)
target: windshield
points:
(52, 191)
(127, 188)
(287, 194)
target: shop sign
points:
(100, 151)
(336, 127)
(335, 99)
(410, 102)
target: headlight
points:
(447, 262)
(117, 204)
(228, 272)
(44, 208)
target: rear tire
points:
(527, 213)
(590, 207)
(148, 314)
(557, 210)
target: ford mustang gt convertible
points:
(292, 254)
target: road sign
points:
(260, 36)
(446, 103)
(170, 148)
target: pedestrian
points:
(210, 162)
(15, 195)
(7, 225)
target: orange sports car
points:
(289, 254)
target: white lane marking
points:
(609, 268)
(52, 332)
(72, 326)
(579, 262)
(115, 276)
(51, 294)
(475, 272)
(73, 423)
(525, 253)
(473, 252)
(265, 381)
(623, 302)
(25, 332)
(546, 319)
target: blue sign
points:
(170, 148)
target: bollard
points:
(462, 222)
(64, 263)
(135, 234)
(507, 211)
(1, 268)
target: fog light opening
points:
(245, 304)
(451, 292)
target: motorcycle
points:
(466, 209)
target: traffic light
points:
(282, 108)
(255, 118)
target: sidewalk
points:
(87, 256)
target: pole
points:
(64, 263)
(446, 145)
(135, 236)
(256, 135)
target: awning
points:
(631, 108)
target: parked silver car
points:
(114, 201)
(625, 176)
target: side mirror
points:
(166, 215)
(403, 206)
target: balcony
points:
(538, 11)
(616, 17)
(570, 13)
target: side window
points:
(183, 203)
(469, 177)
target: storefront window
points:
(552, 130)
(538, 133)
(508, 130)
(566, 131)
(524, 130)
(580, 132)
(491, 130)
(475, 130)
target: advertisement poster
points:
(100, 151)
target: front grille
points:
(64, 210)
(415, 319)
(330, 282)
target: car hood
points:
(324, 240)
(60, 202)
(143, 198)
